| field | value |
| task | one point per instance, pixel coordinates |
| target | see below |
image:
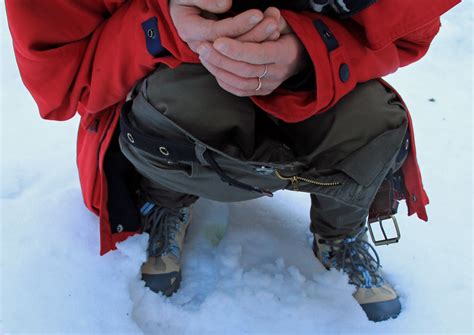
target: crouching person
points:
(233, 108)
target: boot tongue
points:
(352, 255)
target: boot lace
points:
(358, 258)
(163, 225)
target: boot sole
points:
(174, 287)
(155, 283)
(381, 311)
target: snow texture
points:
(248, 267)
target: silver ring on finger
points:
(264, 72)
(259, 86)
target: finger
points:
(239, 83)
(266, 28)
(198, 28)
(275, 36)
(253, 53)
(272, 12)
(213, 6)
(237, 25)
(228, 78)
(282, 25)
(241, 93)
(241, 69)
(232, 90)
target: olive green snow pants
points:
(340, 157)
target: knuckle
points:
(185, 34)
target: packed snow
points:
(248, 267)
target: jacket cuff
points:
(302, 81)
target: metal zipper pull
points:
(295, 181)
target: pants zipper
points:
(295, 181)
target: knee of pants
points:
(190, 96)
(358, 118)
(371, 107)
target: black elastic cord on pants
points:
(207, 155)
(175, 150)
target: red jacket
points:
(85, 56)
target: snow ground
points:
(248, 267)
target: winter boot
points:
(359, 260)
(167, 228)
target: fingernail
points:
(270, 28)
(222, 47)
(202, 50)
(255, 19)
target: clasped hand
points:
(238, 50)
